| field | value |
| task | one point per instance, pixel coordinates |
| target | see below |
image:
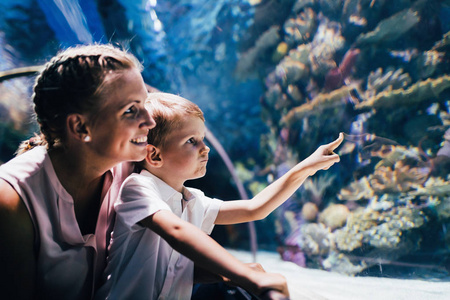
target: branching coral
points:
(389, 80)
(423, 90)
(391, 28)
(316, 106)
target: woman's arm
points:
(238, 211)
(17, 274)
(208, 254)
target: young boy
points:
(160, 226)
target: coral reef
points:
(379, 72)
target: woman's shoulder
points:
(24, 165)
(9, 199)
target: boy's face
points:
(185, 154)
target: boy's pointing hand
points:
(324, 157)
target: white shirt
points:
(142, 265)
(67, 262)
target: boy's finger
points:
(332, 157)
(333, 145)
(335, 157)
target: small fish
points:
(370, 145)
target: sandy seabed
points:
(311, 284)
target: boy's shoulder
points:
(194, 192)
(199, 195)
(142, 178)
(144, 185)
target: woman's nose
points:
(148, 120)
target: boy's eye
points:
(191, 141)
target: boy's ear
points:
(154, 157)
(76, 126)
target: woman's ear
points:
(154, 157)
(76, 127)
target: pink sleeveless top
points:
(68, 263)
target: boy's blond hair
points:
(167, 110)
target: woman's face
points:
(120, 130)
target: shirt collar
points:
(166, 192)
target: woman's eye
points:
(132, 110)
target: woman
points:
(56, 201)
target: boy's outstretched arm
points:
(238, 211)
(208, 254)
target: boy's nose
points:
(205, 150)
